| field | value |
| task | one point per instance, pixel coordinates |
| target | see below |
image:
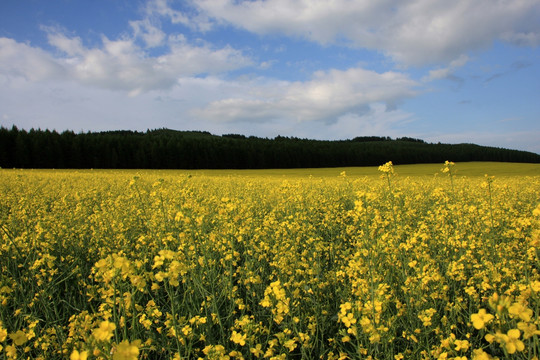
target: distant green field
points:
(461, 169)
(469, 169)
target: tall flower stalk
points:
(448, 169)
(388, 171)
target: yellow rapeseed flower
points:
(105, 331)
(257, 350)
(11, 351)
(480, 354)
(76, 355)
(536, 212)
(290, 344)
(481, 318)
(461, 345)
(3, 334)
(387, 168)
(529, 330)
(518, 310)
(512, 342)
(18, 337)
(238, 338)
(127, 351)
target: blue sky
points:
(449, 71)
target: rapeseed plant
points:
(232, 267)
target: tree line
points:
(170, 149)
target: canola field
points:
(171, 265)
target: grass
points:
(463, 169)
(469, 169)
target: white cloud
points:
(446, 72)
(118, 64)
(34, 64)
(412, 33)
(326, 97)
(152, 35)
(378, 120)
(162, 8)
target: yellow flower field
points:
(166, 265)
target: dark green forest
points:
(170, 149)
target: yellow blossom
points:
(18, 337)
(76, 355)
(127, 351)
(518, 310)
(290, 344)
(257, 350)
(480, 354)
(461, 345)
(3, 334)
(186, 330)
(238, 338)
(105, 331)
(481, 318)
(529, 330)
(11, 351)
(387, 168)
(512, 342)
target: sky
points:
(457, 71)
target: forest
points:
(171, 149)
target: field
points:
(352, 263)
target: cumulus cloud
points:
(415, 32)
(326, 97)
(34, 64)
(118, 64)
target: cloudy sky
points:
(449, 71)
